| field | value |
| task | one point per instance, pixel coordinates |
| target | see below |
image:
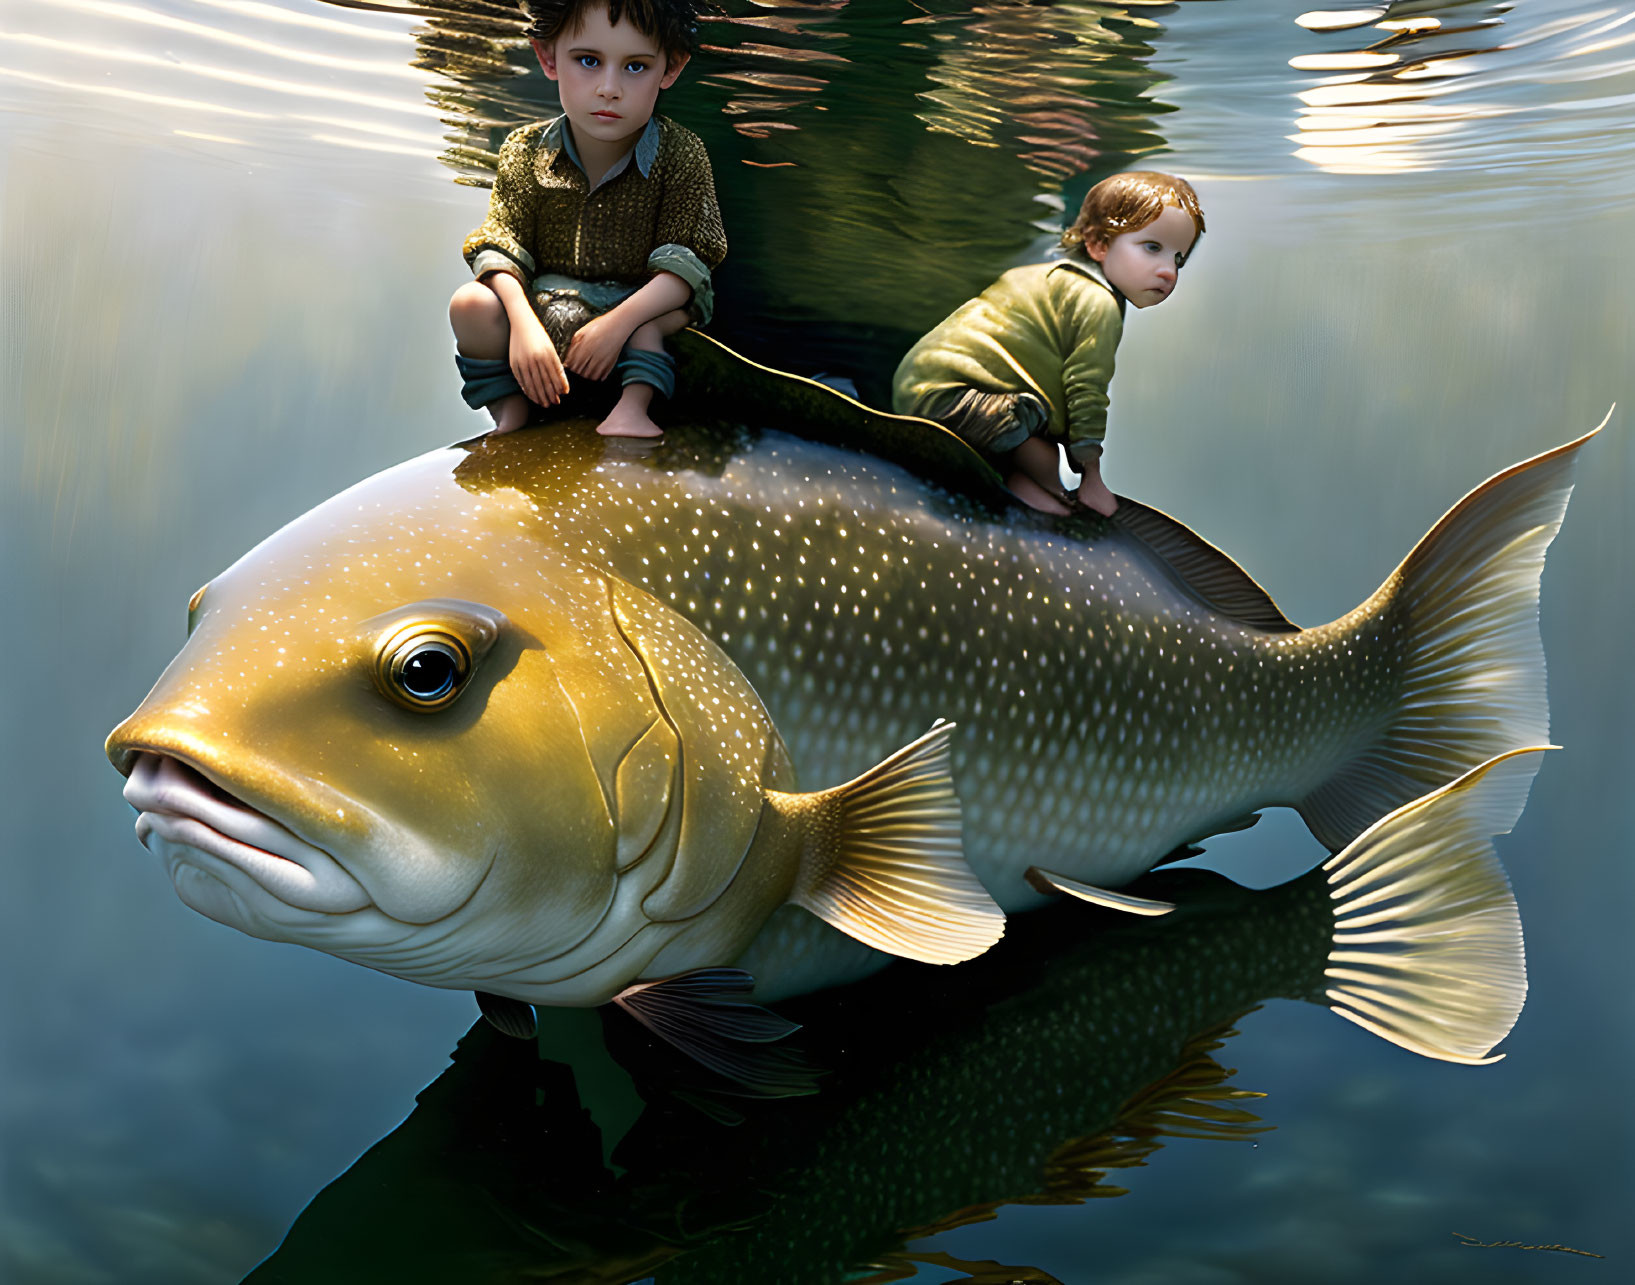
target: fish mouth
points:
(184, 815)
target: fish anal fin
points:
(508, 1016)
(884, 861)
(1203, 571)
(1049, 881)
(707, 1014)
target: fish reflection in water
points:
(1038, 1074)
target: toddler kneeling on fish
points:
(1025, 365)
(602, 228)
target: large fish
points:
(512, 716)
(1040, 1073)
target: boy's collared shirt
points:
(654, 211)
(644, 153)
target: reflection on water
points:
(895, 151)
(1043, 1074)
(846, 177)
(1052, 85)
(1437, 83)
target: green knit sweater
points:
(1049, 329)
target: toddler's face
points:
(1145, 264)
(609, 76)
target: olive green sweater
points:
(1049, 329)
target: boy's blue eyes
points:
(590, 62)
(1154, 247)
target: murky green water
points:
(227, 234)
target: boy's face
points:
(609, 76)
(1145, 265)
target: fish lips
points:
(408, 877)
(182, 812)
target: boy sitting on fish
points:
(602, 227)
(1024, 367)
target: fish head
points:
(419, 741)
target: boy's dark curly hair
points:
(672, 23)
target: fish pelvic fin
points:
(882, 858)
(1427, 947)
(1049, 881)
(708, 1015)
(1461, 613)
(508, 1016)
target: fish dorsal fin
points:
(883, 860)
(1203, 571)
(729, 385)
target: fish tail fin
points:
(1427, 945)
(1462, 609)
(884, 863)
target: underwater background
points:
(228, 233)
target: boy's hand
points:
(595, 347)
(535, 363)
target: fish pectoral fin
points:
(1427, 946)
(707, 1014)
(508, 1016)
(886, 865)
(1049, 881)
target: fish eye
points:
(424, 669)
(193, 605)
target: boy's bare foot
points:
(510, 413)
(1093, 493)
(1033, 495)
(629, 418)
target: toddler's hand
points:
(536, 365)
(595, 347)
